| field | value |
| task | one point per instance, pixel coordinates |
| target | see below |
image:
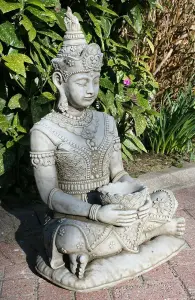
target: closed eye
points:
(82, 82)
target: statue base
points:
(107, 272)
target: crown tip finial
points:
(69, 10)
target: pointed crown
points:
(76, 56)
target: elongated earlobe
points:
(63, 102)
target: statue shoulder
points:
(108, 120)
(100, 115)
(40, 139)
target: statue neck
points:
(74, 112)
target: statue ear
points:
(57, 79)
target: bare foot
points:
(78, 263)
(175, 227)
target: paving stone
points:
(8, 226)
(48, 291)
(2, 272)
(191, 212)
(18, 289)
(160, 274)
(185, 257)
(187, 274)
(1, 283)
(166, 290)
(13, 252)
(99, 295)
(138, 281)
(19, 271)
(4, 261)
(183, 199)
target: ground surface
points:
(20, 239)
(148, 162)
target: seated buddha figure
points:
(75, 151)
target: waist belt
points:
(82, 187)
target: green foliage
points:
(174, 128)
(31, 34)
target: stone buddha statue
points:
(76, 153)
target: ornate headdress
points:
(76, 56)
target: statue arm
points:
(43, 160)
(117, 172)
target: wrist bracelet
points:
(53, 191)
(119, 175)
(93, 212)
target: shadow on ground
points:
(23, 226)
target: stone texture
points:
(99, 295)
(2, 272)
(47, 291)
(19, 271)
(186, 257)
(161, 291)
(4, 261)
(187, 275)
(138, 281)
(160, 274)
(13, 252)
(19, 289)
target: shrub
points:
(172, 61)
(174, 128)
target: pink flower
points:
(127, 81)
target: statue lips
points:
(89, 98)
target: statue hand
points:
(115, 215)
(144, 210)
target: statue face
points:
(82, 89)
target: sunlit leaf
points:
(130, 145)
(44, 15)
(36, 3)
(45, 98)
(51, 34)
(106, 26)
(135, 11)
(136, 141)
(127, 152)
(8, 6)
(7, 159)
(1, 48)
(102, 8)
(106, 83)
(150, 44)
(17, 101)
(4, 124)
(50, 3)
(17, 125)
(15, 62)
(29, 27)
(2, 104)
(8, 35)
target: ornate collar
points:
(64, 120)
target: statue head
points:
(77, 67)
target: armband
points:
(42, 158)
(119, 175)
(53, 191)
(93, 212)
(117, 144)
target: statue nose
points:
(90, 89)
